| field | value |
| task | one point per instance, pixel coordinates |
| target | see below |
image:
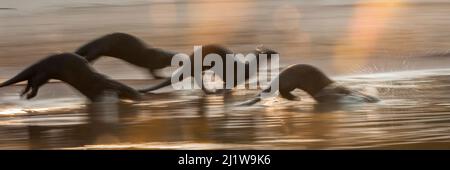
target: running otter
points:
(222, 52)
(315, 83)
(129, 48)
(71, 69)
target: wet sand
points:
(342, 38)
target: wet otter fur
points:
(128, 48)
(73, 70)
(314, 82)
(221, 51)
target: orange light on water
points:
(365, 29)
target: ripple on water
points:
(414, 112)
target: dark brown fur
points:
(309, 79)
(73, 70)
(221, 51)
(128, 48)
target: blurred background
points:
(340, 36)
(355, 38)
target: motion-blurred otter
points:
(314, 82)
(222, 52)
(74, 70)
(128, 48)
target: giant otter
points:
(222, 52)
(71, 69)
(315, 83)
(128, 48)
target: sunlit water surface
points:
(414, 112)
(345, 37)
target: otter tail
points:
(161, 85)
(22, 76)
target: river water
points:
(414, 112)
(395, 49)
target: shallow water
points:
(340, 37)
(414, 112)
(361, 38)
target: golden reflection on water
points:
(334, 36)
(367, 26)
(192, 120)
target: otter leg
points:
(165, 83)
(128, 92)
(33, 93)
(26, 89)
(36, 82)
